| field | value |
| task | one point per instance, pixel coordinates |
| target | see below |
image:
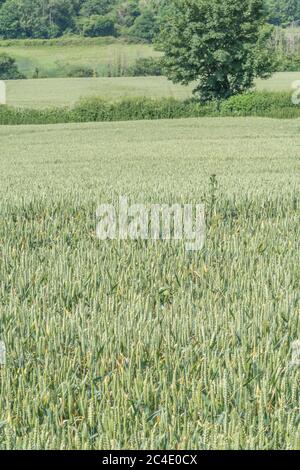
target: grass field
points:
(136, 345)
(65, 91)
(56, 61)
(53, 92)
(280, 81)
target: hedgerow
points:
(264, 104)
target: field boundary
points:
(260, 104)
(68, 41)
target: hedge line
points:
(264, 104)
(71, 40)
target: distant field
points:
(64, 91)
(56, 92)
(142, 345)
(281, 81)
(56, 61)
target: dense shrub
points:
(80, 72)
(275, 105)
(97, 109)
(148, 66)
(8, 68)
(288, 63)
(256, 103)
(16, 116)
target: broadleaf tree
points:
(221, 45)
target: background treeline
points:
(135, 19)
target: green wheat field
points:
(142, 345)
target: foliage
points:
(97, 25)
(286, 46)
(36, 19)
(220, 45)
(283, 12)
(137, 19)
(145, 26)
(53, 18)
(80, 72)
(264, 104)
(288, 63)
(148, 66)
(96, 7)
(8, 68)
(257, 103)
(67, 40)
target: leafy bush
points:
(256, 103)
(8, 68)
(15, 116)
(80, 72)
(97, 109)
(288, 63)
(148, 66)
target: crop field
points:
(65, 91)
(143, 345)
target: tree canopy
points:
(138, 19)
(220, 45)
(283, 12)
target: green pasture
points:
(54, 61)
(43, 93)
